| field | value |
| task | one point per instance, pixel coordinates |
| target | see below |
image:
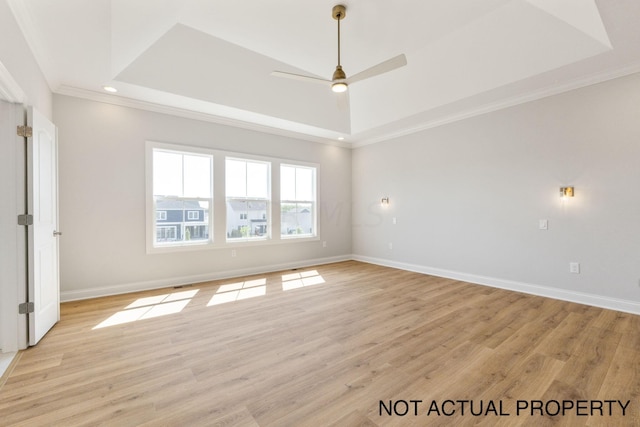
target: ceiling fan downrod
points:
(339, 82)
(339, 12)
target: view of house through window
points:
(298, 201)
(182, 197)
(248, 196)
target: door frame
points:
(13, 291)
(43, 278)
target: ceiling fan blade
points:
(300, 77)
(383, 67)
(342, 101)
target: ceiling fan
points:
(340, 82)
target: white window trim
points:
(217, 219)
(151, 219)
(315, 204)
(269, 200)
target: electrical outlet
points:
(324, 244)
(233, 252)
(574, 267)
(543, 224)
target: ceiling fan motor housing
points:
(338, 74)
(338, 12)
(339, 82)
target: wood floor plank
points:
(38, 363)
(354, 418)
(562, 341)
(622, 382)
(531, 377)
(322, 354)
(589, 363)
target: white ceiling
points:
(212, 59)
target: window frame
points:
(268, 236)
(217, 218)
(151, 218)
(314, 202)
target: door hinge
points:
(26, 308)
(25, 219)
(25, 131)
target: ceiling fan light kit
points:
(339, 82)
(339, 87)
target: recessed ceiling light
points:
(110, 89)
(341, 138)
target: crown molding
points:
(192, 114)
(353, 141)
(502, 104)
(10, 90)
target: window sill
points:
(229, 245)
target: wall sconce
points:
(566, 192)
(385, 201)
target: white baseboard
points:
(5, 361)
(544, 291)
(626, 306)
(124, 288)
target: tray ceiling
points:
(212, 59)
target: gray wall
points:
(467, 197)
(16, 57)
(18, 68)
(102, 200)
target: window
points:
(180, 189)
(182, 196)
(298, 201)
(248, 196)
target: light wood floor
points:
(323, 354)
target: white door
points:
(42, 203)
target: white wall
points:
(102, 200)
(468, 196)
(12, 255)
(22, 81)
(17, 59)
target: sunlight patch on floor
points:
(150, 307)
(239, 291)
(301, 279)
